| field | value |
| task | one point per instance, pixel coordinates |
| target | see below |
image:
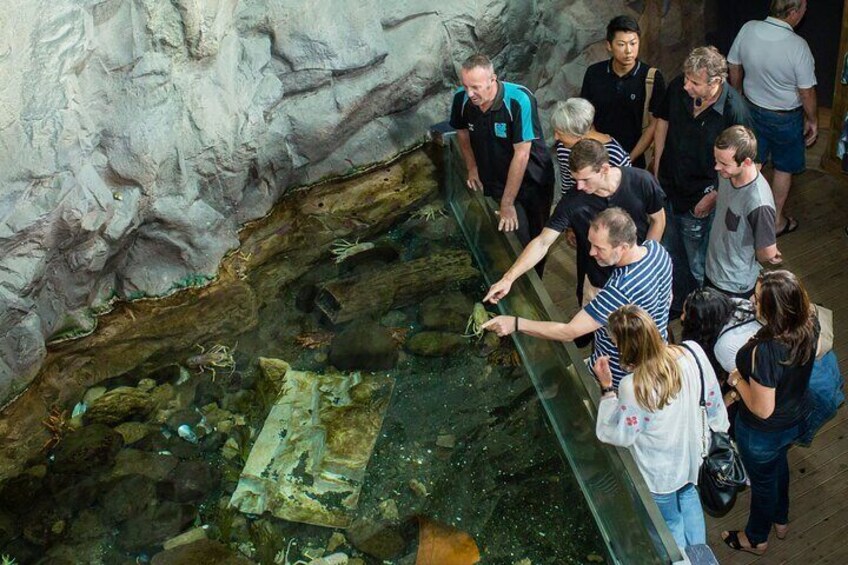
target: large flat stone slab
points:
(309, 461)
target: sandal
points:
(731, 539)
(780, 530)
(790, 226)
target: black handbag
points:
(722, 473)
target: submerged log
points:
(394, 286)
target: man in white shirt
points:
(774, 68)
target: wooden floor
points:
(818, 253)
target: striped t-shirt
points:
(618, 157)
(645, 283)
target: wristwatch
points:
(606, 389)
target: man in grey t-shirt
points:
(743, 228)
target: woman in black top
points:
(771, 377)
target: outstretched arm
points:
(532, 254)
(581, 324)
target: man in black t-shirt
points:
(501, 140)
(599, 186)
(698, 106)
(616, 88)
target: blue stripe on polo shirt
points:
(646, 283)
(464, 98)
(519, 94)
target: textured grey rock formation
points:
(137, 136)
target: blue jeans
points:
(764, 456)
(683, 513)
(686, 238)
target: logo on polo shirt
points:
(470, 127)
(500, 129)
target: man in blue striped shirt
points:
(641, 276)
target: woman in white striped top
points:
(572, 121)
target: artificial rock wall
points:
(138, 136)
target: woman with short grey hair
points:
(572, 121)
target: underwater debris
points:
(314, 472)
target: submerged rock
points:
(134, 431)
(448, 311)
(434, 344)
(91, 447)
(119, 405)
(380, 539)
(190, 481)
(365, 346)
(156, 466)
(155, 525)
(207, 552)
(129, 496)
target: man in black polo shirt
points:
(501, 140)
(599, 186)
(698, 106)
(616, 88)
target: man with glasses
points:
(501, 141)
(599, 186)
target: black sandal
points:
(732, 541)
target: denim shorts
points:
(781, 136)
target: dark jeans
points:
(764, 457)
(683, 282)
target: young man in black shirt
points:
(599, 186)
(616, 88)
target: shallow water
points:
(464, 442)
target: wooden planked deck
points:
(818, 253)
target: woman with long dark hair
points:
(656, 412)
(771, 378)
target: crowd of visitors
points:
(683, 232)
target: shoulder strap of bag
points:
(649, 92)
(734, 326)
(705, 445)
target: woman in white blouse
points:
(656, 414)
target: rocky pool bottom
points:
(464, 442)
